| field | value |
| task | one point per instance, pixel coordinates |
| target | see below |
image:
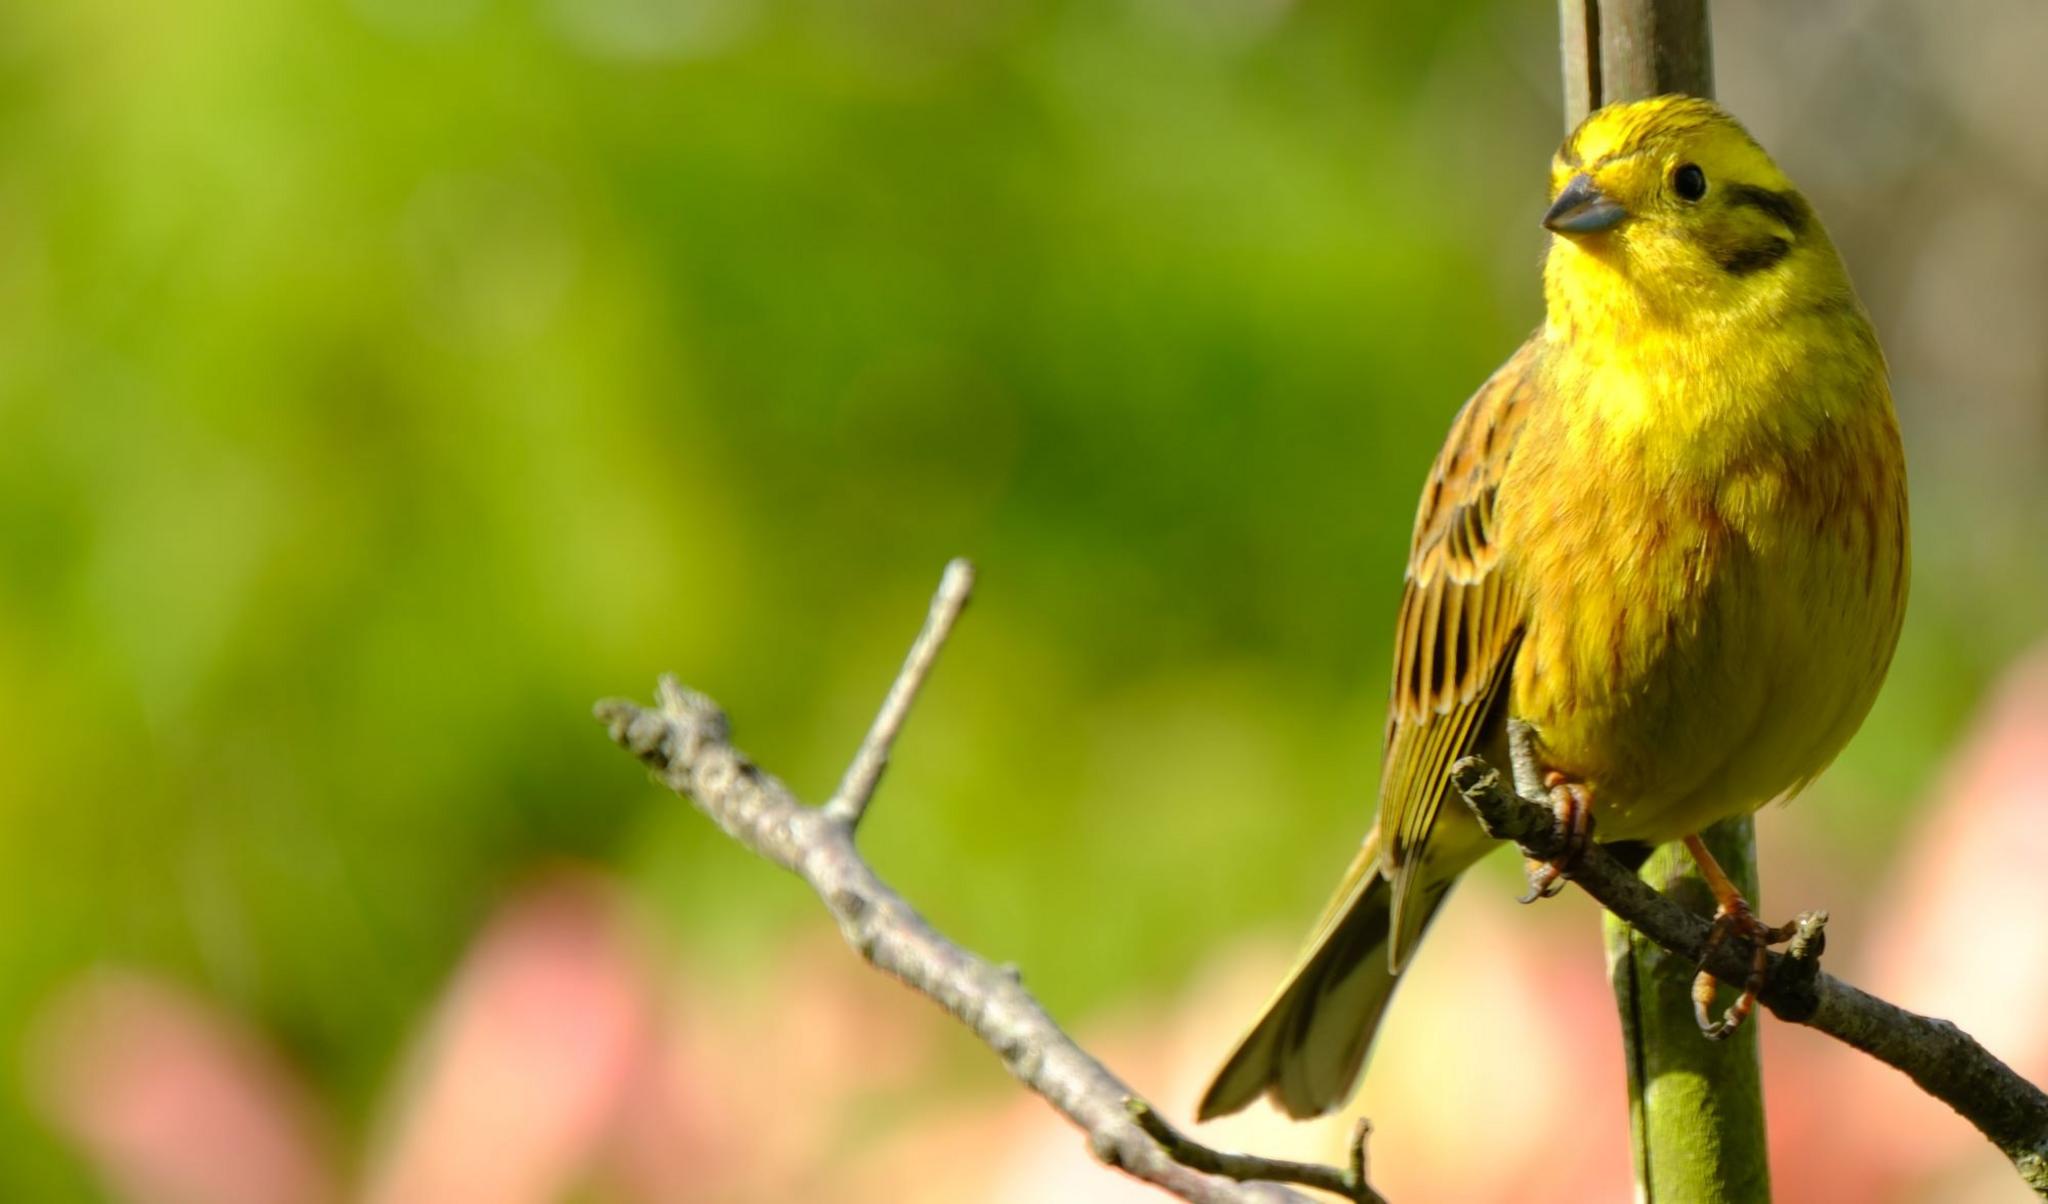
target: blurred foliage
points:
(381, 382)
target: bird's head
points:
(1666, 207)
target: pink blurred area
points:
(173, 1102)
(572, 1054)
(523, 1070)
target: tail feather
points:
(1309, 1047)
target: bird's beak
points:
(1583, 209)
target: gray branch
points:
(1944, 1060)
(685, 740)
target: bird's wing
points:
(1461, 621)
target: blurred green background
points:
(382, 382)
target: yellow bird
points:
(1668, 535)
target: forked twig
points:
(685, 739)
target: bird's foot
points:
(1732, 919)
(1573, 806)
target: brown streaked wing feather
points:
(1461, 620)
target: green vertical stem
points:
(1696, 1107)
(1696, 1110)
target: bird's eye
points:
(1689, 182)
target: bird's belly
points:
(1689, 659)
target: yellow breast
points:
(1709, 536)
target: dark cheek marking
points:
(1784, 206)
(1752, 257)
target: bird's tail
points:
(1310, 1044)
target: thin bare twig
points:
(686, 740)
(850, 802)
(1944, 1060)
(1351, 1184)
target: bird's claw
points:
(1545, 880)
(1734, 919)
(1573, 807)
